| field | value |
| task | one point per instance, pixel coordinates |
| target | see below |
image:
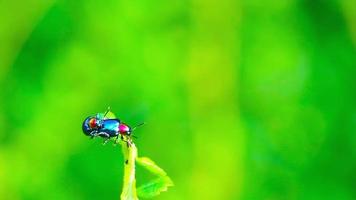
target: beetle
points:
(107, 127)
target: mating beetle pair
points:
(107, 127)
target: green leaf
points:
(150, 166)
(156, 186)
(148, 190)
(110, 115)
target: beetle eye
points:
(92, 123)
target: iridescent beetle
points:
(107, 127)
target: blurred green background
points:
(242, 99)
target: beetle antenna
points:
(134, 128)
(138, 125)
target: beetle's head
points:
(124, 129)
(91, 124)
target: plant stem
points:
(129, 186)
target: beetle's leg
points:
(106, 141)
(107, 138)
(106, 135)
(117, 139)
(93, 134)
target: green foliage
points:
(150, 165)
(110, 115)
(147, 190)
(157, 185)
(154, 187)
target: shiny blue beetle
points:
(101, 125)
